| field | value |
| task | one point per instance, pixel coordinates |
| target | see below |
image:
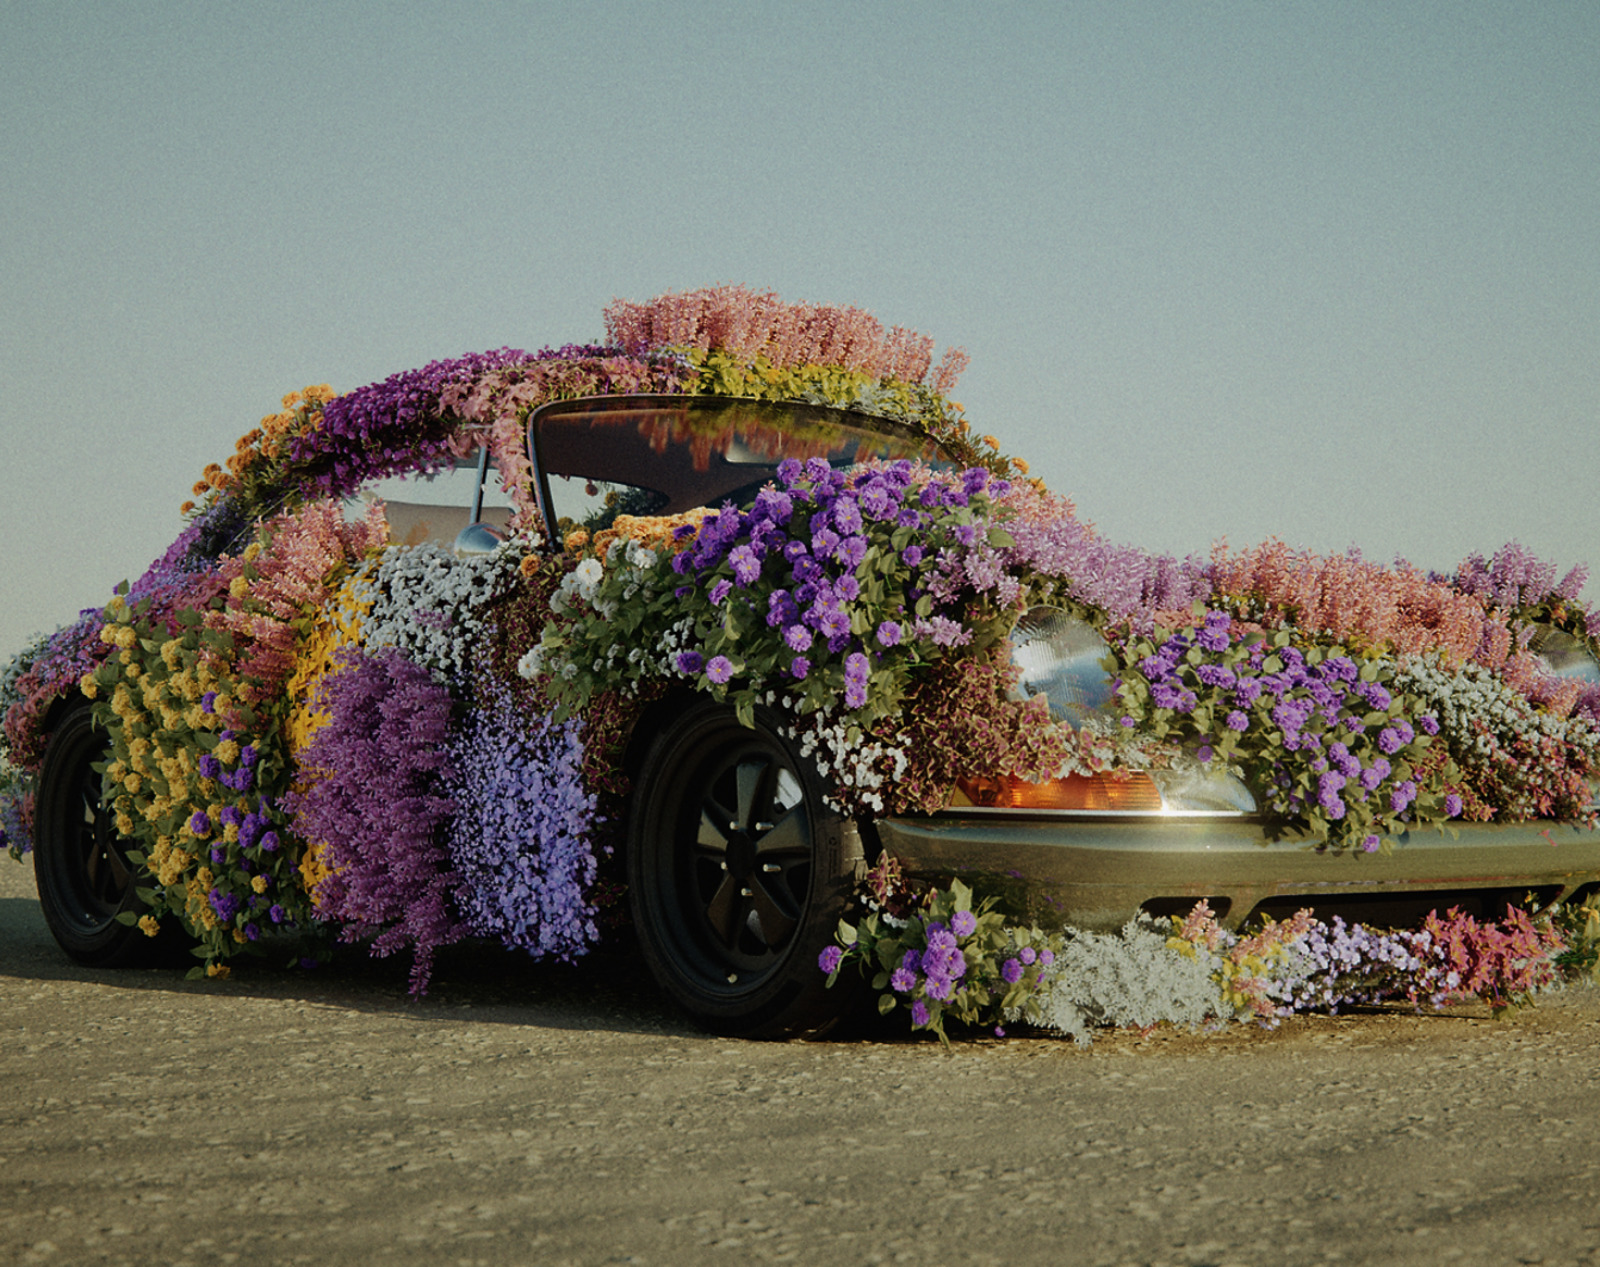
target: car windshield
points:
(601, 457)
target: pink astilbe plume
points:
(1352, 599)
(748, 324)
(304, 550)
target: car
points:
(749, 623)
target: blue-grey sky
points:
(1324, 272)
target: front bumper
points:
(1097, 872)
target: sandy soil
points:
(528, 1114)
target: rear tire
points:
(85, 876)
(738, 875)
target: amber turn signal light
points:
(1126, 791)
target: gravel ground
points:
(530, 1114)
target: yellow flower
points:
(227, 751)
(1022, 467)
(291, 400)
(230, 833)
(218, 970)
(252, 552)
(88, 686)
(259, 883)
(126, 637)
(238, 587)
(150, 925)
(991, 442)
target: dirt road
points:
(524, 1114)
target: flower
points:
(830, 959)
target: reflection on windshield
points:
(662, 455)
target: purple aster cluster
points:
(838, 567)
(944, 960)
(1323, 735)
(521, 835)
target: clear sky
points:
(1329, 272)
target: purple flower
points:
(1452, 805)
(720, 669)
(1011, 972)
(919, 1013)
(226, 905)
(856, 676)
(889, 634)
(797, 637)
(833, 623)
(690, 662)
(1027, 954)
(1238, 721)
(902, 980)
(208, 702)
(210, 767)
(199, 824)
(745, 563)
(720, 591)
(830, 959)
(963, 923)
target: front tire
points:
(738, 875)
(85, 876)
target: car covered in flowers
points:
(760, 638)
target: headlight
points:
(1202, 789)
(1061, 656)
(1563, 655)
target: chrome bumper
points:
(1096, 872)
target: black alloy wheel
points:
(738, 876)
(84, 874)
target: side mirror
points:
(476, 540)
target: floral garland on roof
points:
(239, 675)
